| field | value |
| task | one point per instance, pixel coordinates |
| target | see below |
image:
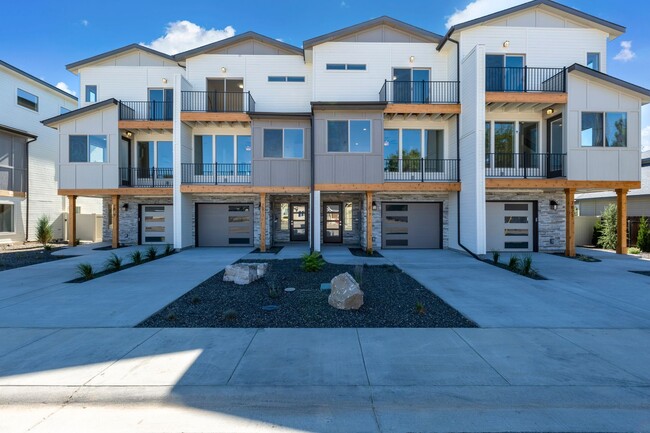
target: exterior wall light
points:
(125, 206)
(553, 205)
(241, 86)
(411, 59)
(128, 134)
(550, 111)
(374, 205)
(223, 69)
(506, 44)
(164, 80)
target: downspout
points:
(312, 183)
(27, 187)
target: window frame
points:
(283, 144)
(213, 146)
(597, 53)
(603, 137)
(37, 105)
(86, 86)
(12, 213)
(423, 140)
(87, 161)
(346, 67)
(349, 140)
(286, 79)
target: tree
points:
(643, 236)
(608, 232)
(44, 230)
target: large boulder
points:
(345, 294)
(245, 273)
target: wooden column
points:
(570, 223)
(621, 221)
(72, 220)
(116, 221)
(262, 221)
(368, 221)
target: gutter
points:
(27, 187)
(312, 184)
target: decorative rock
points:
(346, 294)
(245, 273)
(290, 289)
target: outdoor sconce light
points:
(164, 80)
(241, 86)
(374, 205)
(550, 111)
(553, 205)
(223, 69)
(411, 59)
(506, 44)
(125, 206)
(128, 134)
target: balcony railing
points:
(420, 92)
(217, 102)
(13, 179)
(525, 165)
(148, 177)
(146, 110)
(525, 79)
(421, 170)
(216, 173)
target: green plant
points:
(419, 307)
(136, 257)
(358, 274)
(598, 229)
(495, 257)
(151, 253)
(312, 262)
(607, 238)
(85, 271)
(513, 263)
(634, 250)
(229, 314)
(168, 250)
(114, 263)
(47, 247)
(527, 265)
(643, 236)
(44, 233)
(274, 293)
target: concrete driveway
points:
(576, 295)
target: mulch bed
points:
(533, 275)
(271, 250)
(124, 266)
(360, 252)
(390, 300)
(108, 248)
(15, 257)
(646, 273)
(581, 257)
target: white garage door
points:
(510, 226)
(411, 225)
(157, 224)
(224, 225)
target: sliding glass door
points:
(504, 73)
(411, 85)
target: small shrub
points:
(495, 257)
(151, 253)
(47, 247)
(312, 262)
(608, 237)
(168, 250)
(44, 233)
(136, 257)
(513, 263)
(171, 317)
(598, 229)
(85, 271)
(527, 265)
(419, 308)
(196, 300)
(643, 237)
(634, 250)
(229, 314)
(114, 263)
(358, 274)
(274, 293)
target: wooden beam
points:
(512, 97)
(145, 124)
(263, 222)
(115, 212)
(244, 189)
(570, 249)
(72, 220)
(215, 117)
(7, 193)
(558, 183)
(621, 221)
(157, 192)
(422, 108)
(389, 186)
(369, 222)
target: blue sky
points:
(42, 36)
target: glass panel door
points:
(514, 74)
(411, 149)
(421, 79)
(244, 151)
(494, 73)
(434, 150)
(156, 104)
(125, 162)
(555, 146)
(225, 152)
(504, 144)
(298, 222)
(402, 86)
(332, 231)
(234, 97)
(529, 145)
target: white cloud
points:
(84, 23)
(645, 139)
(479, 8)
(184, 35)
(344, 4)
(61, 85)
(626, 54)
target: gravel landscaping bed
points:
(19, 255)
(580, 257)
(391, 299)
(360, 252)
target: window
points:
(414, 144)
(64, 110)
(345, 66)
(593, 61)
(504, 73)
(348, 136)
(6, 218)
(88, 148)
(295, 79)
(232, 152)
(284, 143)
(347, 216)
(27, 100)
(616, 129)
(91, 93)
(608, 129)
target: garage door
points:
(411, 225)
(223, 225)
(510, 226)
(157, 224)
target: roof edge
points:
(37, 80)
(609, 79)
(74, 113)
(98, 57)
(236, 39)
(16, 131)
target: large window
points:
(284, 143)
(608, 129)
(349, 136)
(593, 61)
(6, 218)
(414, 144)
(504, 73)
(232, 152)
(88, 148)
(91, 93)
(27, 100)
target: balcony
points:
(13, 179)
(149, 177)
(217, 102)
(421, 170)
(216, 173)
(525, 165)
(525, 79)
(419, 92)
(146, 110)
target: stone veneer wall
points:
(129, 224)
(551, 223)
(279, 235)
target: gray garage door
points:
(411, 225)
(223, 225)
(510, 226)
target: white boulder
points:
(345, 294)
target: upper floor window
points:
(6, 218)
(223, 150)
(285, 79)
(593, 61)
(413, 144)
(284, 143)
(88, 148)
(27, 100)
(348, 136)
(608, 129)
(345, 67)
(91, 93)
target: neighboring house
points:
(29, 155)
(382, 135)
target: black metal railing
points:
(217, 102)
(525, 79)
(525, 165)
(146, 177)
(420, 92)
(421, 170)
(216, 173)
(13, 179)
(146, 110)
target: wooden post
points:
(368, 221)
(621, 221)
(116, 221)
(72, 220)
(262, 221)
(570, 223)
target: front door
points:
(555, 145)
(332, 232)
(298, 222)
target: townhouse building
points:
(29, 156)
(381, 134)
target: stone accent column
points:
(621, 221)
(72, 220)
(369, 221)
(570, 250)
(315, 220)
(115, 209)
(262, 221)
